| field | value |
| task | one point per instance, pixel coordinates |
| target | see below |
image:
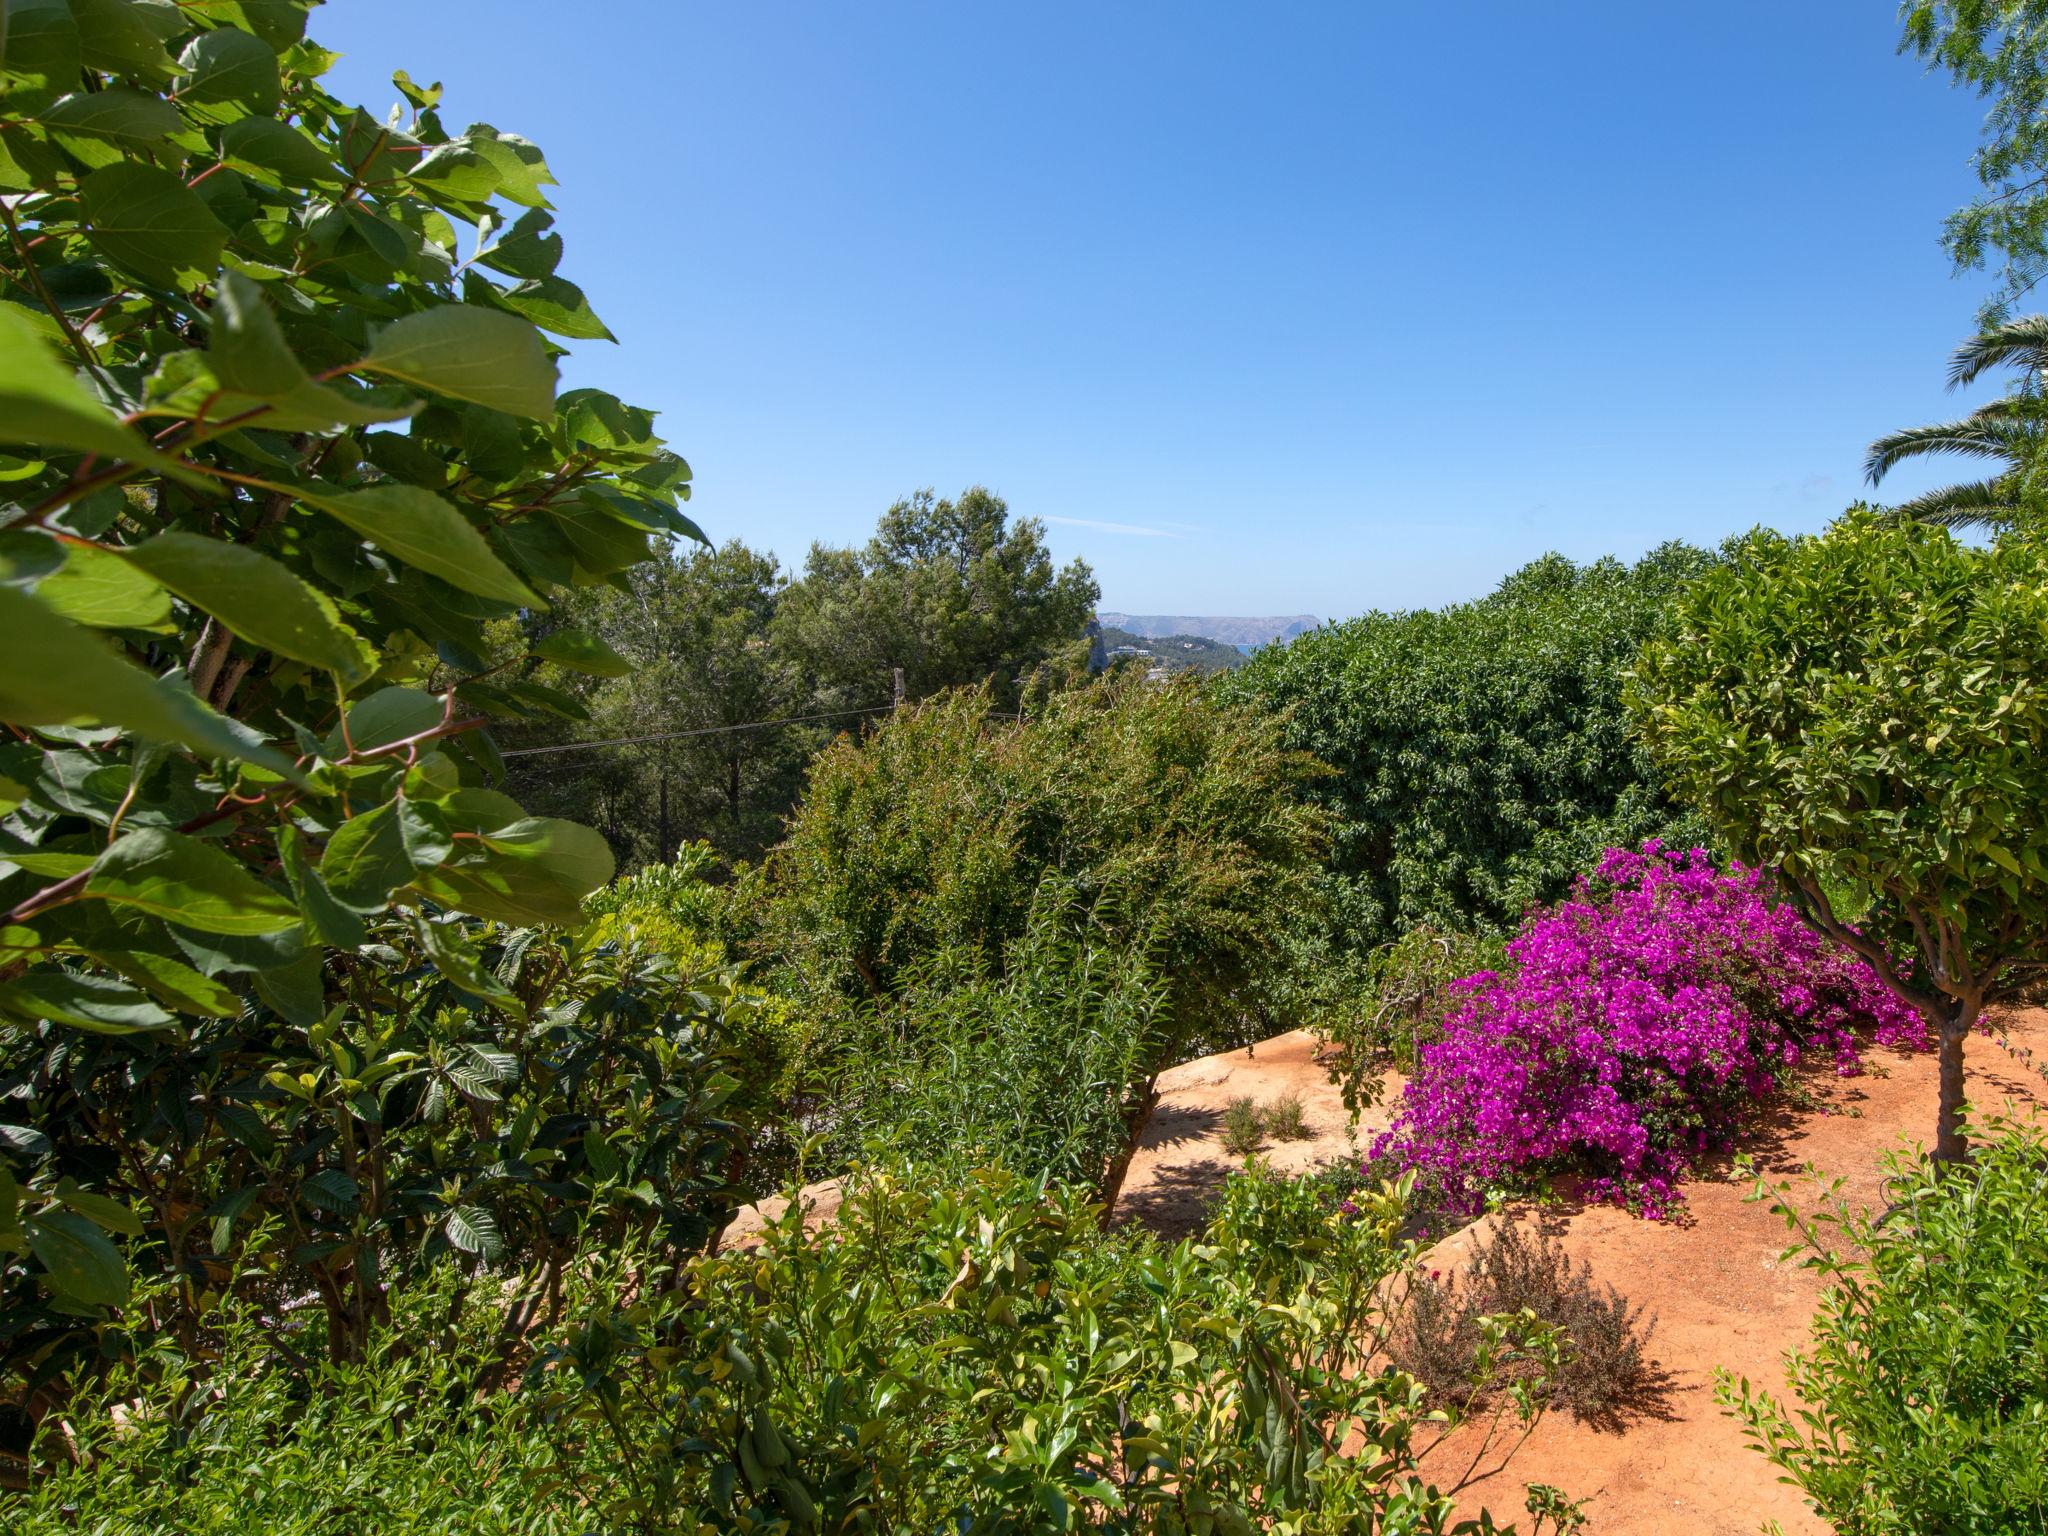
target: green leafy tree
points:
(1482, 755)
(1862, 714)
(701, 710)
(1999, 48)
(283, 438)
(952, 592)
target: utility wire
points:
(721, 730)
(709, 730)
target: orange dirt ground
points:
(1714, 1281)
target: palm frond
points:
(2023, 342)
(1998, 435)
(1982, 504)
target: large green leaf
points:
(372, 854)
(265, 145)
(40, 42)
(59, 674)
(522, 172)
(117, 115)
(256, 598)
(83, 1266)
(43, 404)
(188, 882)
(467, 352)
(172, 983)
(423, 530)
(580, 651)
(250, 365)
(383, 717)
(97, 587)
(96, 1003)
(331, 922)
(149, 222)
(558, 305)
(537, 870)
(227, 66)
(116, 36)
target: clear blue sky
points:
(1348, 305)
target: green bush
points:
(1923, 1398)
(968, 1351)
(1482, 755)
(1244, 1128)
(573, 1101)
(761, 1037)
(962, 1350)
(941, 870)
(236, 1438)
(1043, 1068)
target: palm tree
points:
(2009, 431)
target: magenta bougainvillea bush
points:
(1637, 1026)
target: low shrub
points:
(964, 1349)
(1923, 1398)
(1605, 1363)
(236, 1437)
(1637, 1026)
(1045, 1069)
(1285, 1119)
(1244, 1128)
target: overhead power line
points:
(709, 730)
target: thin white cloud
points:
(1089, 522)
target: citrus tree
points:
(279, 435)
(1862, 714)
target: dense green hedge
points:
(1482, 754)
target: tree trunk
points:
(1949, 1146)
(662, 850)
(1134, 1127)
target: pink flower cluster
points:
(1640, 1023)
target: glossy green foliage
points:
(279, 437)
(1862, 713)
(1922, 1401)
(498, 1098)
(1483, 758)
(974, 1354)
(762, 1037)
(988, 1360)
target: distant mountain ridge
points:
(1157, 626)
(1176, 653)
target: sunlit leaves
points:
(423, 530)
(189, 882)
(255, 597)
(42, 402)
(468, 353)
(145, 220)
